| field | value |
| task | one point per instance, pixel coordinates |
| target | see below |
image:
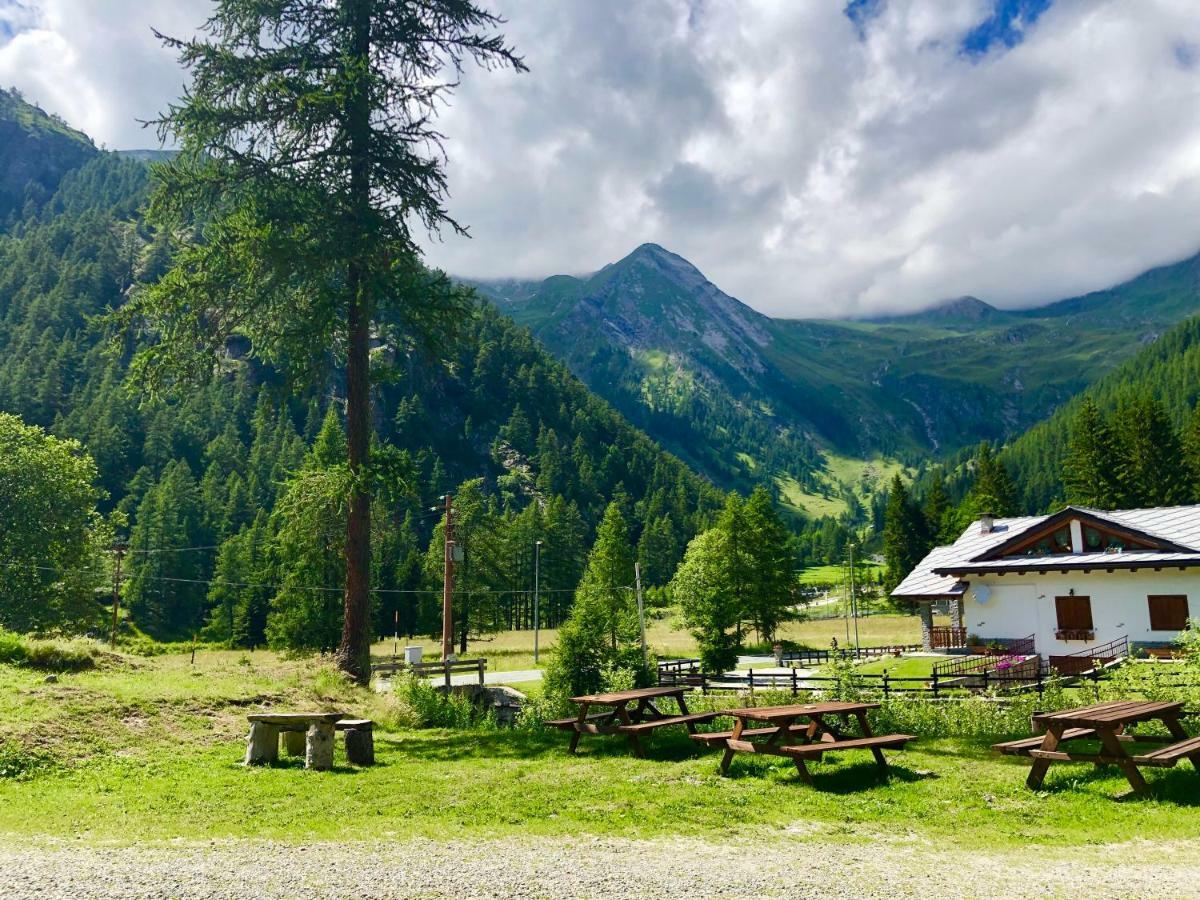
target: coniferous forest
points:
(229, 496)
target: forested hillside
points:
(233, 527)
(36, 150)
(1167, 371)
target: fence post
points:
(446, 672)
(751, 673)
(986, 675)
(704, 683)
(482, 665)
(795, 687)
(885, 684)
(1041, 688)
(935, 684)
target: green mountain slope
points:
(36, 150)
(1168, 369)
(200, 476)
(744, 397)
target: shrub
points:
(430, 708)
(56, 655)
(19, 763)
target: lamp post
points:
(537, 559)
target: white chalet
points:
(1065, 584)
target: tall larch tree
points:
(903, 534)
(308, 156)
(1090, 468)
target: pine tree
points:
(1090, 468)
(1191, 451)
(1152, 470)
(600, 638)
(935, 510)
(903, 534)
(300, 113)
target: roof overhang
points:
(1054, 522)
(1049, 564)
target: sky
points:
(816, 158)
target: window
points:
(1168, 612)
(1074, 618)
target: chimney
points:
(986, 521)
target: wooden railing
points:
(1085, 660)
(1013, 658)
(947, 637)
(432, 669)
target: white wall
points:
(1021, 605)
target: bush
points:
(19, 763)
(427, 707)
(47, 656)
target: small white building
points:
(1065, 584)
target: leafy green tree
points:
(601, 636)
(1091, 467)
(770, 595)
(307, 153)
(48, 541)
(702, 588)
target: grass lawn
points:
(904, 667)
(151, 752)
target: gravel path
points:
(611, 868)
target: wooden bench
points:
(570, 722)
(651, 724)
(1023, 746)
(720, 737)
(1169, 755)
(875, 742)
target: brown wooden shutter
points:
(1074, 613)
(1168, 612)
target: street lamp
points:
(537, 558)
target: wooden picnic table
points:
(803, 731)
(1107, 723)
(619, 718)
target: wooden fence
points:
(1030, 677)
(432, 669)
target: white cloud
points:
(805, 170)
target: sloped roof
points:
(1175, 528)
(923, 582)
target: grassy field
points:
(511, 651)
(821, 575)
(149, 750)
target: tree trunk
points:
(354, 652)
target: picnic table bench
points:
(803, 731)
(1107, 723)
(618, 718)
(310, 735)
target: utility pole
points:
(637, 575)
(119, 552)
(853, 598)
(537, 623)
(448, 585)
